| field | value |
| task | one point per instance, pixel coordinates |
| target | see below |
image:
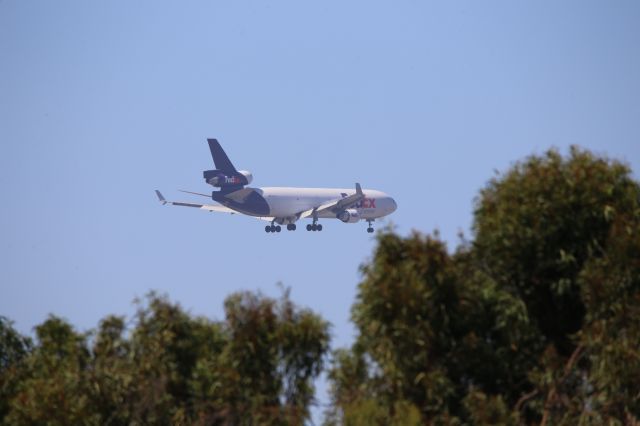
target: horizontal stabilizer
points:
(209, 207)
(195, 193)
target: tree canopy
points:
(255, 367)
(534, 320)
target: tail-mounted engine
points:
(220, 179)
(349, 216)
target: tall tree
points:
(535, 319)
(563, 234)
(538, 225)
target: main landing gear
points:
(370, 228)
(272, 228)
(277, 228)
(314, 227)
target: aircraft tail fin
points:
(220, 158)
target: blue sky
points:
(103, 102)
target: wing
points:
(208, 207)
(336, 205)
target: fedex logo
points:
(366, 203)
(232, 180)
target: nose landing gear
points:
(370, 228)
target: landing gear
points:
(314, 227)
(370, 228)
(272, 228)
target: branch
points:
(551, 396)
(524, 398)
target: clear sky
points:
(103, 102)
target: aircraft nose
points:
(394, 206)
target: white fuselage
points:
(286, 202)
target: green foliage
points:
(274, 351)
(488, 410)
(538, 225)
(52, 389)
(432, 326)
(536, 320)
(169, 368)
(370, 412)
(14, 348)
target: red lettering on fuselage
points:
(366, 203)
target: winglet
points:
(358, 189)
(161, 198)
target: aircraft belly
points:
(369, 213)
(285, 206)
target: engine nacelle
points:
(349, 216)
(247, 175)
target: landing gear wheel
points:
(291, 227)
(314, 227)
(278, 228)
(319, 227)
(308, 227)
(267, 229)
(370, 228)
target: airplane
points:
(285, 205)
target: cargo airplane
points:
(285, 205)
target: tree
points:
(539, 225)
(563, 234)
(169, 368)
(53, 387)
(274, 352)
(534, 320)
(14, 348)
